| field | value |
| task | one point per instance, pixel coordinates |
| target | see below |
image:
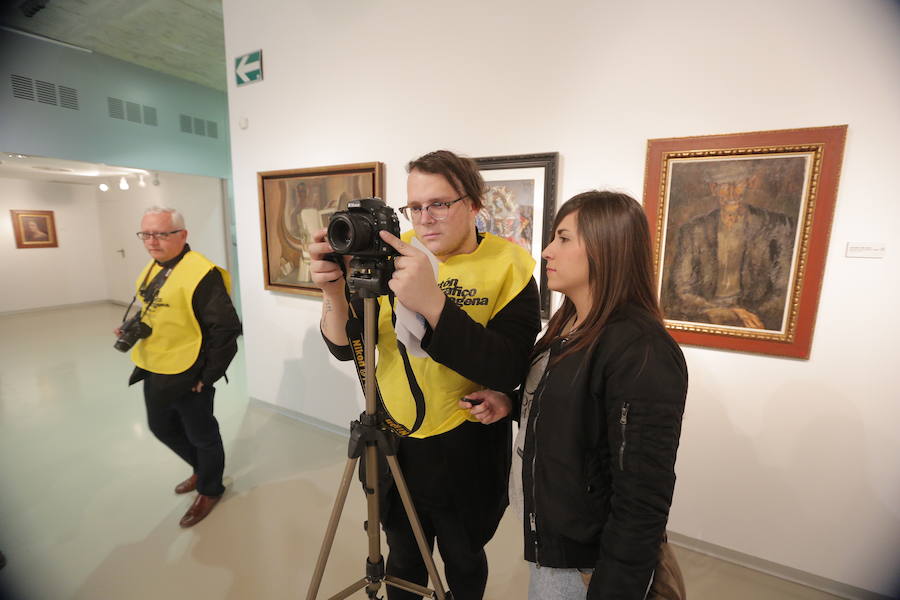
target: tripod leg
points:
(416, 527)
(351, 589)
(375, 561)
(332, 529)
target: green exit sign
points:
(248, 68)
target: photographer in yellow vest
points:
(481, 314)
(187, 339)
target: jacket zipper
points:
(623, 423)
(536, 404)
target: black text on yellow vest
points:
(481, 283)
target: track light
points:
(141, 181)
(123, 185)
(103, 187)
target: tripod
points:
(366, 436)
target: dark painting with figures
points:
(508, 211)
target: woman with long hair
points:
(599, 413)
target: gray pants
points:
(548, 583)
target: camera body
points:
(355, 231)
(132, 330)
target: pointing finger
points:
(398, 244)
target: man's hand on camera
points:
(326, 274)
(198, 387)
(492, 407)
(117, 332)
(413, 280)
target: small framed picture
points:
(740, 224)
(520, 205)
(294, 204)
(34, 228)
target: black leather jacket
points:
(599, 457)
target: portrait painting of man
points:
(730, 250)
(34, 228)
(739, 224)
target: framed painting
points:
(34, 228)
(294, 204)
(740, 225)
(520, 204)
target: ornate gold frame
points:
(824, 146)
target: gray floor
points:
(87, 508)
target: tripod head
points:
(368, 277)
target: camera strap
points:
(354, 331)
(148, 293)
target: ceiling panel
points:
(183, 38)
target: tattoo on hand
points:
(327, 306)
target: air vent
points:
(199, 126)
(149, 115)
(23, 87)
(68, 97)
(133, 112)
(46, 92)
(116, 108)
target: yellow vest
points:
(174, 344)
(481, 283)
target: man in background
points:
(193, 338)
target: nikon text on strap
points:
(354, 331)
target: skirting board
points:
(60, 306)
(325, 425)
(774, 569)
(745, 560)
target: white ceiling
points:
(183, 38)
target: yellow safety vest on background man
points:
(174, 344)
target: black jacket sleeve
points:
(643, 384)
(219, 324)
(494, 356)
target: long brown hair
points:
(616, 237)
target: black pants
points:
(465, 563)
(430, 468)
(184, 421)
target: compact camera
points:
(355, 231)
(132, 330)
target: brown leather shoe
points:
(201, 507)
(188, 485)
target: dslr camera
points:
(354, 232)
(132, 330)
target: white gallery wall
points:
(99, 256)
(44, 277)
(796, 462)
(200, 200)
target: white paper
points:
(410, 326)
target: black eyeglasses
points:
(438, 210)
(159, 235)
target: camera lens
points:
(123, 345)
(348, 233)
